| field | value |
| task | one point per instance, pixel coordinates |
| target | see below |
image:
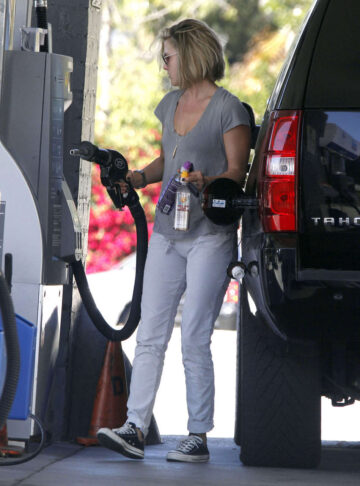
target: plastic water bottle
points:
(182, 204)
(168, 196)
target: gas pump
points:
(41, 230)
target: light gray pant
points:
(199, 265)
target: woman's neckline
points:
(181, 92)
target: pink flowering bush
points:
(112, 233)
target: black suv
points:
(299, 331)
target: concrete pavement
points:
(68, 464)
(65, 464)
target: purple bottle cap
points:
(188, 166)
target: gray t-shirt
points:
(204, 147)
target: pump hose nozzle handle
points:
(92, 153)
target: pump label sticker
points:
(219, 203)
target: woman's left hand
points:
(197, 178)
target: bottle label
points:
(167, 198)
(182, 211)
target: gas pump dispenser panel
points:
(42, 229)
(36, 93)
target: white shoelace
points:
(125, 429)
(188, 444)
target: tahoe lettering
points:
(346, 221)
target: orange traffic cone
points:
(111, 395)
(5, 449)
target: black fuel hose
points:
(12, 461)
(42, 21)
(12, 350)
(114, 168)
(95, 315)
(13, 362)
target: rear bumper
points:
(298, 304)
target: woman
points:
(207, 125)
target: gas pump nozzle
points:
(113, 168)
(92, 153)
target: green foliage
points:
(286, 12)
(237, 21)
(253, 78)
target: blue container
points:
(27, 333)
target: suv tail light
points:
(277, 183)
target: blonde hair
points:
(200, 53)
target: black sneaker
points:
(124, 440)
(191, 449)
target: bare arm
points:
(237, 149)
(153, 173)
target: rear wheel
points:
(279, 405)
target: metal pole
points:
(10, 23)
(3, 12)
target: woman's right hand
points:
(132, 177)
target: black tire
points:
(280, 397)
